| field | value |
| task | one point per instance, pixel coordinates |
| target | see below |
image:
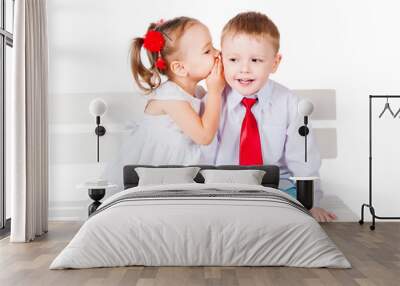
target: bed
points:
(201, 224)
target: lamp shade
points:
(97, 107)
(305, 107)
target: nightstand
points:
(305, 190)
(96, 193)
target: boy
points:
(259, 120)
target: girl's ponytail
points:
(140, 73)
(169, 31)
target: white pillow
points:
(249, 177)
(162, 176)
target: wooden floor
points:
(374, 255)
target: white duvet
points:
(200, 231)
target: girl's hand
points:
(216, 80)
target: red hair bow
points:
(154, 42)
(161, 64)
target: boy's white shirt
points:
(278, 124)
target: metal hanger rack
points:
(369, 205)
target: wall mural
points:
(242, 117)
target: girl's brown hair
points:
(171, 30)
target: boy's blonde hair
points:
(254, 24)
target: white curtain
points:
(27, 132)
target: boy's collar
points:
(264, 95)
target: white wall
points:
(351, 47)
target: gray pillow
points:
(248, 177)
(162, 176)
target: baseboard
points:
(65, 219)
(68, 211)
(337, 206)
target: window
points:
(6, 44)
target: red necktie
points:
(250, 143)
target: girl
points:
(173, 130)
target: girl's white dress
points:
(157, 140)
